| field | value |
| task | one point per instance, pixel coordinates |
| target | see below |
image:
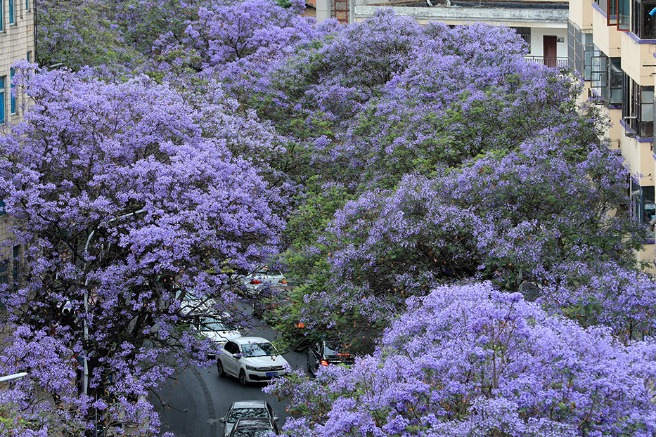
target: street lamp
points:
(85, 383)
(12, 377)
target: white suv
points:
(251, 359)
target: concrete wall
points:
(511, 17)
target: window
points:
(12, 12)
(590, 51)
(643, 203)
(609, 7)
(12, 95)
(525, 33)
(2, 16)
(28, 56)
(623, 14)
(2, 99)
(599, 74)
(643, 25)
(27, 5)
(638, 107)
(613, 95)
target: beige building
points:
(612, 43)
(16, 43)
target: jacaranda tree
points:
(471, 360)
(123, 203)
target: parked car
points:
(262, 278)
(217, 329)
(193, 304)
(326, 352)
(251, 359)
(258, 427)
(255, 409)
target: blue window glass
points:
(2, 15)
(27, 5)
(2, 99)
(12, 97)
(12, 12)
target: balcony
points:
(548, 61)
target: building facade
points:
(17, 42)
(543, 24)
(612, 43)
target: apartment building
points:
(16, 43)
(17, 18)
(612, 43)
(542, 23)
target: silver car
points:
(248, 410)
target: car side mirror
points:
(275, 418)
(236, 356)
(222, 420)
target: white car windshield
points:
(258, 350)
(216, 325)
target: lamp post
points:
(12, 377)
(85, 379)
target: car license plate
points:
(271, 374)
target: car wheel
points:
(242, 377)
(219, 368)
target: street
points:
(193, 405)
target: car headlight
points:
(251, 367)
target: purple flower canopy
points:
(470, 360)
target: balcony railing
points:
(548, 61)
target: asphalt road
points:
(193, 405)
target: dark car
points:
(255, 409)
(325, 353)
(254, 427)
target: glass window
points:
(27, 5)
(28, 56)
(12, 95)
(525, 33)
(644, 206)
(2, 99)
(643, 24)
(623, 14)
(612, 13)
(258, 350)
(590, 51)
(615, 79)
(12, 12)
(2, 14)
(599, 75)
(638, 107)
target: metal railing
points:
(548, 61)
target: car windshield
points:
(238, 413)
(216, 325)
(258, 350)
(253, 432)
(334, 348)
